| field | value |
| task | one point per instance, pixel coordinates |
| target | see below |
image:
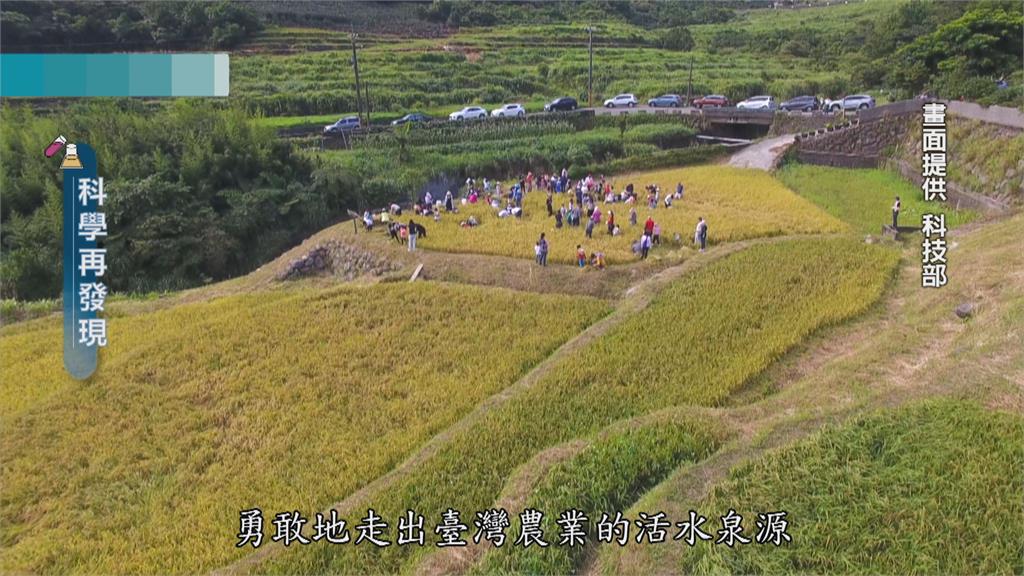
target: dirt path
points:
(763, 154)
(635, 299)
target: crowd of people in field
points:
(580, 206)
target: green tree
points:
(677, 38)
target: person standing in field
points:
(581, 256)
(645, 246)
(590, 228)
(656, 234)
(611, 221)
(649, 226)
(896, 212)
(413, 229)
(632, 215)
(700, 236)
(542, 259)
(549, 201)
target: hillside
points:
(483, 394)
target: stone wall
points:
(338, 259)
(786, 123)
(876, 138)
(956, 195)
(838, 159)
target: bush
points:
(664, 159)
(194, 190)
(677, 38)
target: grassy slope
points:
(738, 204)
(534, 63)
(986, 159)
(912, 347)
(605, 477)
(864, 198)
(281, 400)
(699, 340)
(890, 493)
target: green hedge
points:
(663, 159)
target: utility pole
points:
(689, 83)
(355, 68)
(369, 107)
(590, 76)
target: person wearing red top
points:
(649, 226)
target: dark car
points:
(711, 101)
(668, 100)
(562, 104)
(414, 118)
(803, 103)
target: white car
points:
(513, 110)
(621, 100)
(468, 113)
(758, 103)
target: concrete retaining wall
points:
(993, 114)
(838, 159)
(956, 195)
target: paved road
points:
(764, 154)
(663, 110)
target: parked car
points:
(711, 101)
(666, 100)
(514, 110)
(854, 102)
(414, 118)
(801, 103)
(564, 103)
(621, 100)
(468, 113)
(346, 124)
(758, 103)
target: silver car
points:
(346, 124)
(628, 100)
(850, 103)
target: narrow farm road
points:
(763, 154)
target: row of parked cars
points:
(800, 103)
(565, 104)
(797, 104)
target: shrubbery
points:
(107, 26)
(194, 193)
